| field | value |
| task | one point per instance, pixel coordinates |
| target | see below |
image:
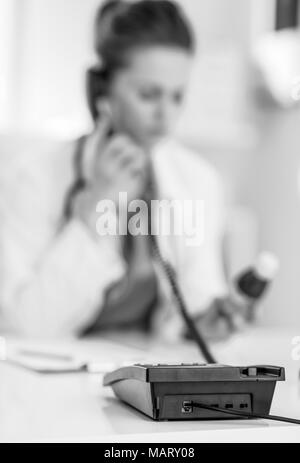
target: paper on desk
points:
(52, 362)
(45, 364)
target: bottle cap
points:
(266, 266)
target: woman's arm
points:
(52, 284)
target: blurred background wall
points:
(239, 112)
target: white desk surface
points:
(74, 407)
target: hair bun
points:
(104, 18)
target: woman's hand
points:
(118, 164)
(222, 319)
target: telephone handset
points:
(96, 86)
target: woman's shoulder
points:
(38, 173)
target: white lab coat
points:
(53, 281)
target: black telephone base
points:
(167, 391)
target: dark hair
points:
(122, 26)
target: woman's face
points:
(146, 96)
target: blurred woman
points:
(59, 276)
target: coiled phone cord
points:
(170, 274)
(77, 185)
